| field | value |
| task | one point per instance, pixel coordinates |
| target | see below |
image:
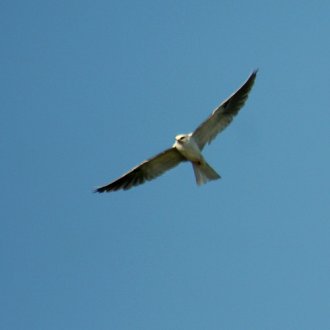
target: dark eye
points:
(182, 138)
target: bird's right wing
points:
(222, 116)
(146, 171)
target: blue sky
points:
(92, 88)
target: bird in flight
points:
(187, 147)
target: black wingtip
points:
(98, 190)
(252, 77)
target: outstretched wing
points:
(146, 171)
(224, 114)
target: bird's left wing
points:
(146, 171)
(224, 114)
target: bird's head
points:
(182, 138)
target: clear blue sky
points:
(91, 88)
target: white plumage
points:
(188, 147)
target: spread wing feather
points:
(146, 171)
(224, 114)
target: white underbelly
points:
(190, 151)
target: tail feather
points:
(204, 173)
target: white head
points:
(182, 138)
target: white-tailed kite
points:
(187, 147)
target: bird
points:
(187, 147)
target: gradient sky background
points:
(89, 89)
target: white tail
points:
(204, 173)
